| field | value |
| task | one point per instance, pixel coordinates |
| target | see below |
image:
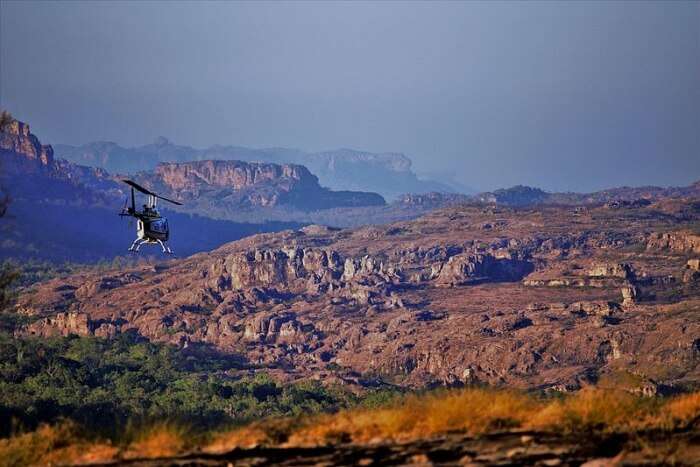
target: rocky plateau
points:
(548, 297)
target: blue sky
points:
(561, 95)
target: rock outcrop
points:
(682, 242)
(21, 151)
(249, 185)
(516, 196)
(26, 164)
(629, 295)
(622, 271)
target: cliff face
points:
(30, 171)
(238, 175)
(247, 185)
(22, 152)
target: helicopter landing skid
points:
(166, 248)
(136, 245)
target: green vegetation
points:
(105, 386)
(31, 272)
(109, 383)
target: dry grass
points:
(64, 443)
(597, 410)
(683, 411)
(163, 439)
(57, 444)
(472, 411)
(475, 411)
(246, 437)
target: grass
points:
(56, 444)
(472, 411)
(161, 439)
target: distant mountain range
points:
(62, 210)
(624, 196)
(388, 174)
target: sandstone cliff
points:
(238, 184)
(21, 151)
(30, 171)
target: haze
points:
(563, 96)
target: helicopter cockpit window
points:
(159, 225)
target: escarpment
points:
(250, 185)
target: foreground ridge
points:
(504, 448)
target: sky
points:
(560, 95)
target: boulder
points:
(620, 270)
(680, 242)
(594, 308)
(62, 324)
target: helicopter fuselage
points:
(152, 228)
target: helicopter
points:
(151, 227)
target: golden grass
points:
(63, 443)
(245, 437)
(470, 411)
(475, 411)
(163, 439)
(55, 444)
(597, 410)
(684, 411)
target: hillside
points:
(550, 297)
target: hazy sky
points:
(569, 95)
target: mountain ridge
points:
(389, 174)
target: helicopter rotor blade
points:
(146, 191)
(133, 184)
(168, 200)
